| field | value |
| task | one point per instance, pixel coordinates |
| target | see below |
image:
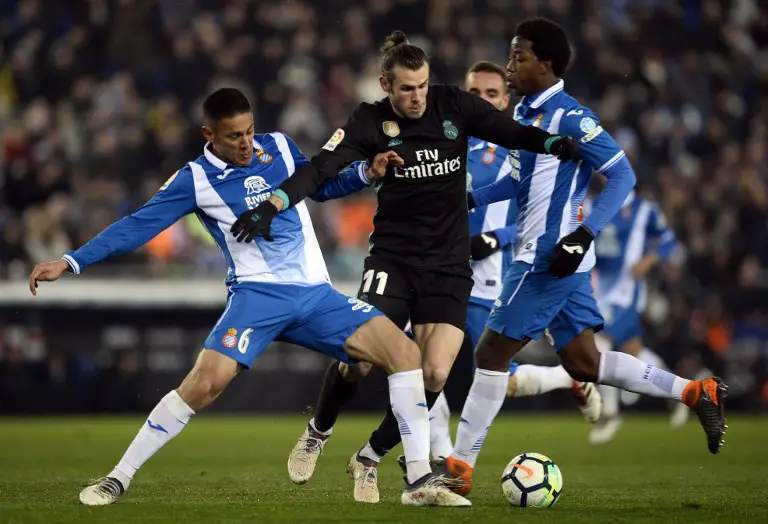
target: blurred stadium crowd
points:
(99, 104)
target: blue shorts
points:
(317, 317)
(622, 324)
(533, 300)
(477, 316)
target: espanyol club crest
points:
(230, 339)
(391, 128)
(489, 156)
(263, 157)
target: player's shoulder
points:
(443, 94)
(370, 110)
(573, 110)
(274, 141)
(182, 177)
(577, 119)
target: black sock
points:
(387, 435)
(334, 395)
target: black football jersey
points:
(422, 217)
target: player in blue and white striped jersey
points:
(276, 290)
(632, 243)
(493, 230)
(548, 286)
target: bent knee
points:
(208, 378)
(405, 355)
(584, 368)
(354, 373)
(435, 376)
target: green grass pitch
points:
(232, 469)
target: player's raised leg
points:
(352, 331)
(573, 331)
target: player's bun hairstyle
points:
(396, 51)
(484, 66)
(549, 42)
(225, 103)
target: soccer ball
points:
(532, 480)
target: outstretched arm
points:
(486, 122)
(175, 199)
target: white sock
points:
(626, 372)
(610, 401)
(367, 452)
(537, 380)
(409, 405)
(489, 388)
(650, 357)
(323, 433)
(440, 428)
(164, 422)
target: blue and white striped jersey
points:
(487, 163)
(551, 192)
(218, 193)
(636, 230)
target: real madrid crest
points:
(390, 128)
(449, 130)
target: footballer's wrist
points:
(72, 264)
(589, 231)
(279, 199)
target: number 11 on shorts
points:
(381, 278)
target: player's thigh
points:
(439, 345)
(387, 286)
(579, 313)
(529, 301)
(347, 329)
(253, 317)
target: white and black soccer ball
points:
(532, 480)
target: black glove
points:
(470, 201)
(254, 222)
(563, 147)
(569, 252)
(484, 245)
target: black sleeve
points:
(354, 141)
(484, 121)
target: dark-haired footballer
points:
(548, 288)
(418, 268)
(276, 290)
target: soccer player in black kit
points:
(418, 267)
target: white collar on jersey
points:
(216, 161)
(546, 95)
